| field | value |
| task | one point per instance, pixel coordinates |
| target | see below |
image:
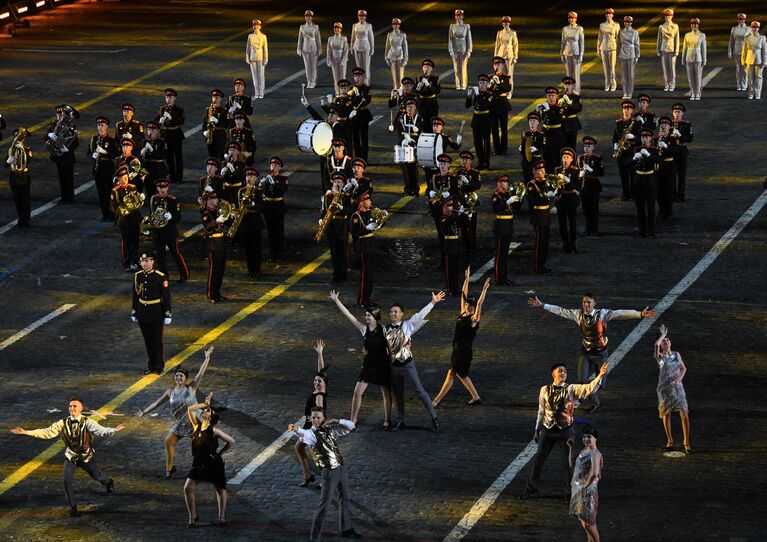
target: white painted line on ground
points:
(20, 87)
(707, 79)
(34, 325)
(487, 499)
(69, 51)
(489, 265)
(50, 205)
(261, 458)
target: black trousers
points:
(500, 132)
(69, 474)
(153, 340)
(216, 268)
(411, 183)
(129, 239)
(160, 243)
(502, 243)
(66, 172)
(274, 216)
(251, 242)
(590, 201)
(104, 183)
(367, 270)
(547, 440)
(217, 146)
(481, 126)
(567, 214)
(469, 232)
(681, 174)
(360, 137)
(175, 160)
(338, 252)
(644, 198)
(666, 189)
(23, 202)
(541, 247)
(571, 139)
(452, 263)
(436, 214)
(624, 170)
(555, 139)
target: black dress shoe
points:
(110, 486)
(546, 272)
(103, 219)
(528, 492)
(307, 481)
(169, 474)
(148, 371)
(351, 533)
(73, 513)
(181, 279)
(399, 425)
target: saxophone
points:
(18, 152)
(246, 201)
(334, 207)
(623, 143)
(209, 126)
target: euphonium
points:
(18, 152)
(380, 216)
(246, 203)
(225, 209)
(154, 221)
(472, 202)
(132, 201)
(555, 182)
(334, 208)
(518, 189)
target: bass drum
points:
(428, 148)
(315, 137)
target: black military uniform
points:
(624, 159)
(171, 120)
(136, 171)
(366, 245)
(409, 128)
(3, 126)
(398, 97)
(239, 103)
(154, 155)
(340, 126)
(427, 89)
(592, 186)
(274, 188)
(232, 176)
(65, 161)
(531, 148)
(666, 171)
(337, 232)
(217, 248)
(20, 181)
(332, 163)
(684, 130)
(503, 229)
(567, 204)
(244, 136)
(214, 124)
(571, 124)
(540, 219)
(152, 310)
(132, 129)
(481, 122)
(500, 86)
(361, 98)
(249, 232)
(359, 184)
(447, 144)
(551, 119)
(167, 236)
(646, 119)
(645, 165)
(469, 182)
(452, 251)
(210, 182)
(128, 223)
(102, 150)
(442, 188)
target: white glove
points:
(445, 195)
(167, 216)
(550, 194)
(637, 155)
(553, 210)
(469, 91)
(458, 139)
(463, 179)
(407, 139)
(640, 118)
(10, 160)
(533, 148)
(495, 79)
(475, 88)
(214, 120)
(247, 154)
(677, 133)
(270, 179)
(142, 196)
(426, 82)
(208, 188)
(432, 193)
(237, 105)
(630, 136)
(391, 127)
(205, 134)
(347, 187)
(400, 91)
(231, 110)
(167, 116)
(329, 98)
(354, 183)
(148, 147)
(166, 321)
(95, 155)
(615, 146)
(645, 152)
(663, 145)
(588, 168)
(353, 114)
(101, 150)
(52, 136)
(64, 148)
(230, 167)
(415, 129)
(582, 173)
(545, 106)
(221, 219)
(512, 199)
(134, 319)
(128, 135)
(372, 226)
(519, 148)
(304, 101)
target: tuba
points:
(64, 133)
(334, 208)
(132, 201)
(246, 203)
(154, 221)
(18, 152)
(380, 216)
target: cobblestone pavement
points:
(410, 485)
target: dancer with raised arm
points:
(671, 395)
(465, 330)
(318, 398)
(587, 471)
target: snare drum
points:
(429, 147)
(315, 137)
(404, 154)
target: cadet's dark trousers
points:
(645, 202)
(590, 201)
(589, 363)
(453, 266)
(435, 211)
(541, 247)
(367, 269)
(412, 185)
(274, 215)
(567, 214)
(162, 262)
(500, 131)
(555, 138)
(66, 170)
(481, 126)
(571, 139)
(251, 242)
(666, 188)
(502, 243)
(624, 170)
(22, 200)
(175, 160)
(129, 238)
(408, 372)
(104, 178)
(217, 146)
(338, 252)
(360, 136)
(155, 349)
(547, 440)
(681, 174)
(69, 474)
(469, 232)
(334, 484)
(216, 267)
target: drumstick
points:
(460, 130)
(303, 86)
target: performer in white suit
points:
(754, 57)
(628, 54)
(694, 57)
(396, 53)
(459, 46)
(337, 54)
(667, 49)
(309, 47)
(738, 33)
(571, 50)
(257, 56)
(363, 43)
(607, 46)
(507, 47)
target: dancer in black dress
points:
(207, 464)
(376, 366)
(465, 330)
(319, 398)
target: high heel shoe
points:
(472, 402)
(193, 523)
(386, 426)
(307, 481)
(687, 450)
(169, 474)
(221, 522)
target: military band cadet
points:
(164, 204)
(171, 120)
(239, 103)
(645, 164)
(61, 141)
(452, 251)
(738, 34)
(480, 100)
(125, 202)
(337, 160)
(607, 47)
(399, 95)
(257, 57)
(153, 155)
(628, 54)
(244, 136)
(337, 54)
(754, 58)
(552, 117)
(681, 135)
(129, 127)
(309, 47)
(363, 229)
(215, 230)
(103, 150)
(252, 222)
(667, 48)
(540, 217)
(666, 169)
(459, 46)
(232, 174)
(592, 167)
(625, 138)
(644, 116)
(443, 186)
(427, 89)
(136, 171)
(214, 125)
(567, 203)
(572, 48)
(151, 309)
(17, 162)
(3, 126)
(694, 57)
(211, 181)
(500, 87)
(507, 47)
(571, 106)
(363, 43)
(273, 187)
(532, 145)
(437, 127)
(359, 183)
(360, 116)
(410, 125)
(469, 182)
(504, 204)
(336, 209)
(395, 52)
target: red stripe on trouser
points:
(497, 259)
(210, 271)
(362, 278)
(181, 258)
